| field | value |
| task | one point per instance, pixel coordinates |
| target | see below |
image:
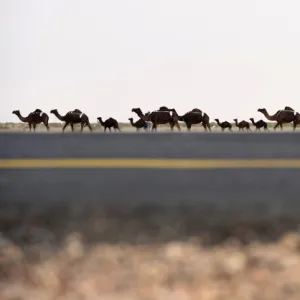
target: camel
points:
(34, 118)
(242, 125)
(138, 124)
(109, 123)
(281, 116)
(224, 125)
(195, 116)
(259, 124)
(159, 117)
(73, 117)
(297, 117)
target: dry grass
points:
(176, 270)
(97, 257)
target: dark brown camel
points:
(242, 125)
(297, 117)
(195, 116)
(34, 118)
(109, 123)
(73, 117)
(259, 124)
(224, 125)
(138, 124)
(281, 116)
(159, 117)
(205, 121)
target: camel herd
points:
(163, 115)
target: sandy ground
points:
(125, 127)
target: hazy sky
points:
(227, 58)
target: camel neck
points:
(23, 119)
(61, 118)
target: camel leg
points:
(276, 126)
(34, 126)
(89, 126)
(46, 125)
(294, 125)
(178, 126)
(29, 124)
(188, 127)
(63, 129)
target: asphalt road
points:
(216, 197)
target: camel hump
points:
(196, 110)
(288, 108)
(164, 108)
(77, 111)
(38, 112)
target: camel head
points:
(99, 119)
(251, 119)
(262, 110)
(53, 111)
(130, 119)
(217, 120)
(16, 112)
(235, 120)
(136, 110)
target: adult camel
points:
(193, 117)
(281, 116)
(73, 117)
(109, 123)
(34, 118)
(159, 117)
(297, 117)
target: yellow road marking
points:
(149, 163)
